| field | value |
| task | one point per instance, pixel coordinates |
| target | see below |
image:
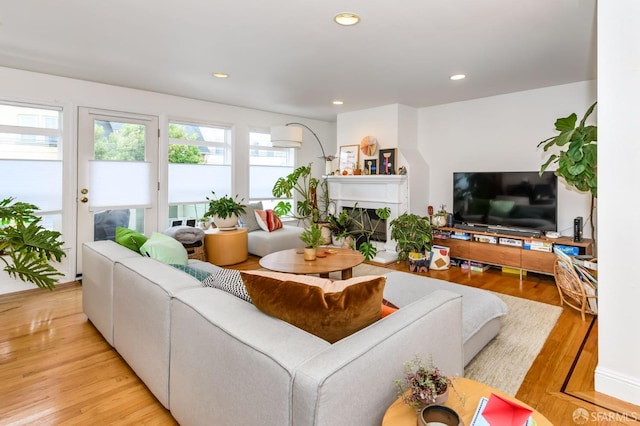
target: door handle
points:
(84, 199)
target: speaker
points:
(450, 220)
(577, 229)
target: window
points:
(266, 165)
(31, 149)
(199, 163)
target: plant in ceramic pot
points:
(440, 218)
(312, 239)
(26, 247)
(423, 384)
(413, 234)
(205, 222)
(224, 211)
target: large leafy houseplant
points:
(225, 207)
(577, 158)
(26, 247)
(412, 233)
(300, 183)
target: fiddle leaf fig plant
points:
(26, 247)
(578, 155)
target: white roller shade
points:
(263, 178)
(37, 182)
(119, 184)
(192, 183)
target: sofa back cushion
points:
(331, 310)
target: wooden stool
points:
(226, 247)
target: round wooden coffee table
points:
(292, 261)
(400, 414)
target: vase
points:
(205, 224)
(226, 223)
(309, 253)
(439, 221)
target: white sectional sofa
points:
(262, 243)
(213, 358)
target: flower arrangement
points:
(422, 384)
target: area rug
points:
(504, 362)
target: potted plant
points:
(340, 226)
(307, 189)
(412, 234)
(440, 218)
(224, 211)
(26, 248)
(577, 158)
(364, 227)
(357, 170)
(205, 222)
(423, 384)
(312, 239)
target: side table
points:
(226, 247)
(400, 414)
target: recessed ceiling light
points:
(346, 18)
(457, 77)
(338, 102)
(220, 74)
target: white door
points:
(117, 174)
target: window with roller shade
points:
(31, 158)
(266, 165)
(199, 163)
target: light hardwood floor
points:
(55, 368)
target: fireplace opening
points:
(369, 221)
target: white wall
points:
(394, 126)
(23, 86)
(618, 370)
(501, 133)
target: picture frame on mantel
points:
(371, 165)
(348, 157)
(387, 161)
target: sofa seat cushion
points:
(481, 309)
(328, 309)
(262, 243)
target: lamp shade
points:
(286, 137)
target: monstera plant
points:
(26, 248)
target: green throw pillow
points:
(165, 249)
(196, 273)
(129, 238)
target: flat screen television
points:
(523, 200)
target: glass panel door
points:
(117, 174)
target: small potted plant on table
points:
(224, 211)
(312, 239)
(340, 226)
(423, 384)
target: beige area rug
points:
(504, 362)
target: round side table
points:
(226, 247)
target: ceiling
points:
(289, 56)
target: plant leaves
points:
(566, 123)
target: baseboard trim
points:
(621, 386)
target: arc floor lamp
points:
(288, 136)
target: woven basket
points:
(197, 253)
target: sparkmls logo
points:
(580, 416)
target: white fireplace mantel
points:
(372, 192)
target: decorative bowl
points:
(438, 415)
